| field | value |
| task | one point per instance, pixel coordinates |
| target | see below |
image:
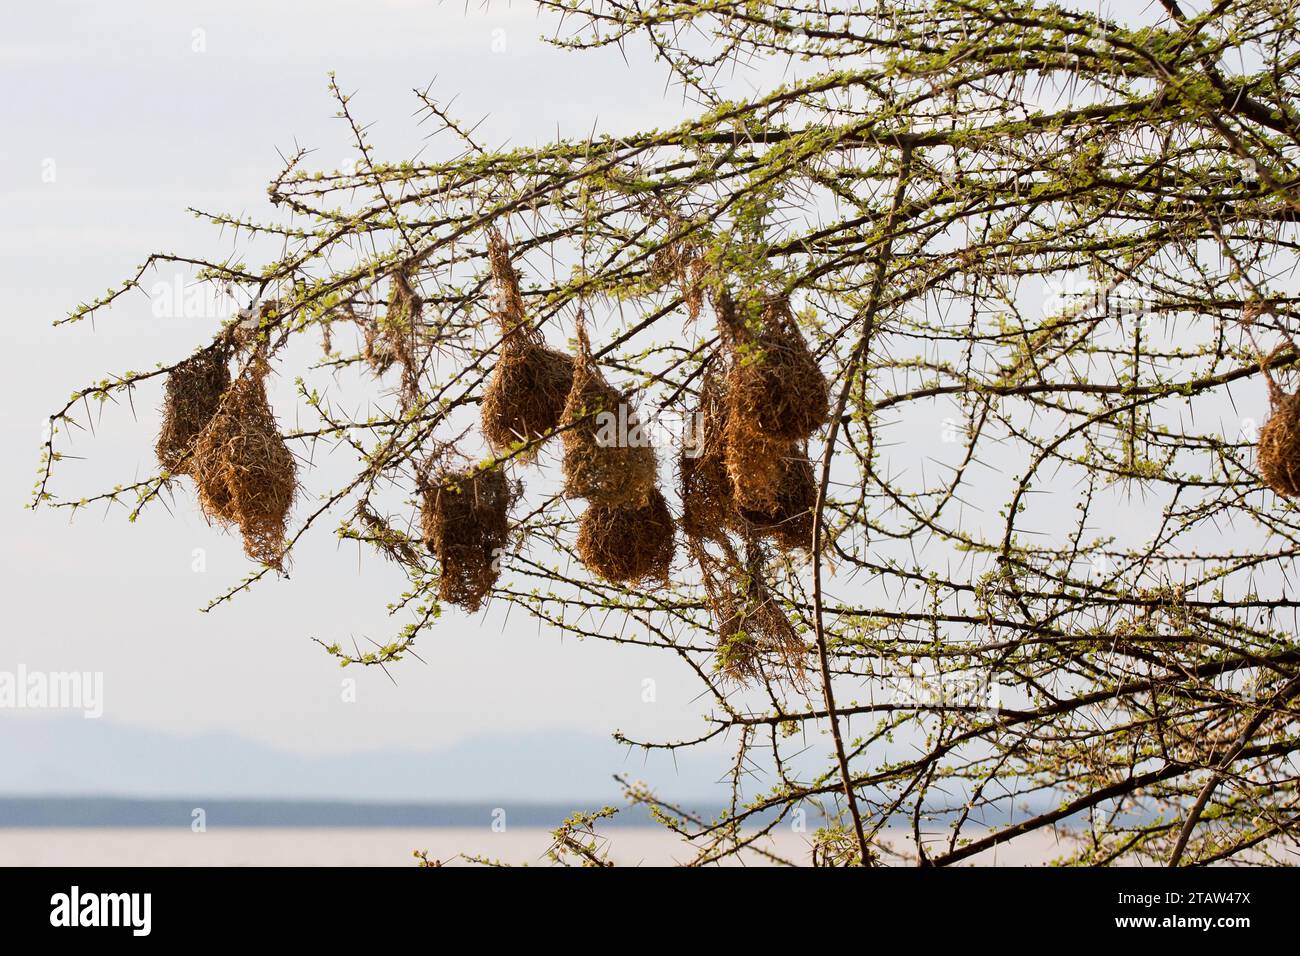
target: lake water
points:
(340, 846)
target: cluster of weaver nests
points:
(745, 475)
(747, 468)
(626, 534)
(223, 434)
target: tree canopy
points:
(1043, 258)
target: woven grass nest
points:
(525, 397)
(244, 471)
(774, 397)
(530, 383)
(628, 545)
(191, 397)
(714, 504)
(466, 523)
(775, 387)
(708, 504)
(1278, 454)
(608, 459)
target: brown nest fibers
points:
(1279, 445)
(789, 520)
(755, 639)
(628, 545)
(378, 350)
(776, 500)
(390, 339)
(524, 400)
(466, 523)
(755, 466)
(608, 458)
(530, 384)
(245, 473)
(774, 386)
(192, 396)
(708, 508)
(775, 396)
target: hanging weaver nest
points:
(608, 458)
(756, 640)
(1279, 440)
(466, 524)
(775, 396)
(391, 339)
(376, 347)
(628, 545)
(777, 500)
(707, 506)
(245, 473)
(790, 520)
(525, 397)
(774, 386)
(192, 395)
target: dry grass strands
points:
(774, 386)
(404, 303)
(393, 339)
(608, 458)
(789, 521)
(756, 466)
(378, 350)
(245, 473)
(525, 397)
(192, 396)
(466, 524)
(1279, 446)
(707, 506)
(776, 500)
(510, 301)
(776, 396)
(400, 320)
(756, 641)
(680, 261)
(628, 545)
(390, 542)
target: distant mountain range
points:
(81, 758)
(136, 812)
(66, 771)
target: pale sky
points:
(138, 126)
(133, 125)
